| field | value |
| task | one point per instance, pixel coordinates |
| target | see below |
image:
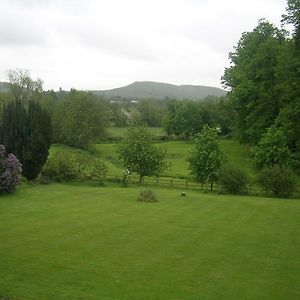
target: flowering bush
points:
(10, 171)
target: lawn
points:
(82, 242)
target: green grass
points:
(81, 242)
(177, 153)
(116, 132)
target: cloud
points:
(106, 43)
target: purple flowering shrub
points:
(10, 171)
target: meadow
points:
(177, 153)
(62, 241)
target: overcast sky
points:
(102, 44)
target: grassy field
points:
(177, 154)
(83, 242)
(117, 132)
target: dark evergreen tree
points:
(39, 140)
(27, 134)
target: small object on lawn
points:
(183, 194)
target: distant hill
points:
(4, 87)
(158, 90)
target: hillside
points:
(4, 87)
(157, 90)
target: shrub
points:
(233, 180)
(99, 170)
(280, 182)
(10, 171)
(147, 196)
(60, 167)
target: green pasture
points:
(117, 132)
(177, 153)
(82, 242)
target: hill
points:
(158, 90)
(4, 87)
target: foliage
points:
(147, 196)
(151, 112)
(187, 118)
(99, 170)
(272, 149)
(28, 134)
(10, 171)
(64, 165)
(22, 86)
(139, 153)
(80, 120)
(233, 180)
(38, 140)
(118, 115)
(252, 79)
(60, 167)
(205, 158)
(293, 17)
(280, 181)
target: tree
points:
(22, 86)
(28, 134)
(38, 140)
(252, 80)
(205, 158)
(292, 16)
(10, 171)
(139, 153)
(187, 118)
(151, 112)
(272, 149)
(80, 120)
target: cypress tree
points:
(27, 134)
(39, 140)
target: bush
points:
(10, 171)
(233, 180)
(147, 196)
(60, 167)
(280, 182)
(65, 166)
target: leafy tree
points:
(22, 86)
(206, 156)
(187, 118)
(139, 153)
(10, 171)
(118, 115)
(151, 112)
(80, 120)
(251, 79)
(272, 149)
(292, 16)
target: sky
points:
(103, 44)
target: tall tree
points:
(27, 134)
(206, 156)
(80, 119)
(38, 140)
(251, 79)
(22, 86)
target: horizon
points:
(97, 44)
